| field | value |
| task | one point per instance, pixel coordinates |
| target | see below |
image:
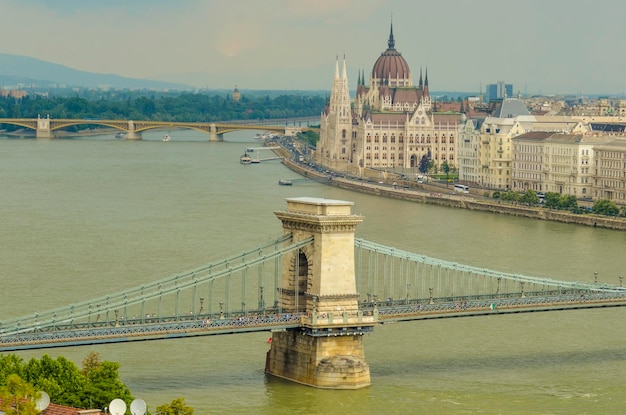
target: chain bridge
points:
(45, 127)
(316, 281)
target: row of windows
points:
(527, 166)
(612, 173)
(423, 140)
(528, 157)
(527, 176)
(619, 155)
(368, 156)
(614, 184)
(612, 164)
(528, 149)
(423, 149)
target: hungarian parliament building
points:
(392, 125)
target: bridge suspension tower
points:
(326, 351)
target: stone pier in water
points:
(319, 280)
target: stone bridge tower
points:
(319, 281)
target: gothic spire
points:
(391, 43)
(421, 84)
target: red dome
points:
(391, 65)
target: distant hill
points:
(16, 69)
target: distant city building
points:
(498, 90)
(390, 124)
(602, 107)
(555, 162)
(236, 95)
(13, 93)
(485, 144)
(610, 171)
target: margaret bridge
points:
(315, 283)
(46, 127)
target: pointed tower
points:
(336, 129)
(426, 93)
(421, 84)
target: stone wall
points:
(336, 362)
(416, 193)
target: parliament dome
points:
(391, 68)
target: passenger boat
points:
(166, 137)
(284, 182)
(245, 159)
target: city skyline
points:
(541, 48)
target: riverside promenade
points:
(419, 193)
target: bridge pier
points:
(131, 134)
(214, 135)
(43, 128)
(319, 280)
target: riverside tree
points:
(18, 397)
(95, 386)
(176, 407)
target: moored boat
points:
(245, 159)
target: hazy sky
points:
(540, 46)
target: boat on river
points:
(285, 182)
(245, 159)
(166, 137)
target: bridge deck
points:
(395, 286)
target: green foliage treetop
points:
(95, 386)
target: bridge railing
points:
(228, 283)
(389, 274)
(138, 330)
(441, 307)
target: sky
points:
(539, 46)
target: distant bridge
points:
(45, 127)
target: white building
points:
(485, 145)
(556, 162)
(610, 171)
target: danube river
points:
(85, 216)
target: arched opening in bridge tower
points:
(302, 277)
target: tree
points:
(94, 386)
(552, 200)
(176, 407)
(103, 384)
(423, 166)
(569, 202)
(530, 198)
(18, 397)
(59, 378)
(10, 364)
(605, 207)
(511, 196)
(446, 169)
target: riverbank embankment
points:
(457, 201)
